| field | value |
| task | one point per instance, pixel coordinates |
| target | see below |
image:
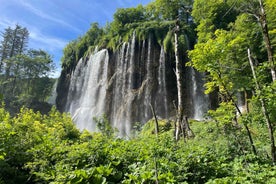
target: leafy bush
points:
(21, 134)
(37, 148)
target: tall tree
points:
(169, 10)
(179, 81)
(5, 46)
(14, 42)
(24, 73)
(222, 51)
(264, 110)
(176, 11)
(23, 35)
(263, 21)
(258, 9)
(37, 64)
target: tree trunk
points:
(246, 101)
(179, 74)
(156, 120)
(230, 97)
(263, 22)
(245, 125)
(190, 132)
(264, 110)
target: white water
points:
(52, 98)
(148, 82)
(121, 108)
(87, 91)
(241, 103)
(200, 100)
(122, 85)
(162, 100)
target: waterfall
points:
(117, 111)
(200, 100)
(161, 102)
(87, 90)
(148, 82)
(122, 84)
(52, 98)
(241, 102)
(121, 116)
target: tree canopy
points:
(224, 50)
(24, 73)
(155, 19)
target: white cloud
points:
(5, 23)
(37, 38)
(45, 41)
(46, 16)
(52, 45)
(52, 23)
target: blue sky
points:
(53, 23)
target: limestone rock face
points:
(123, 84)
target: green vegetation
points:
(24, 73)
(152, 20)
(237, 53)
(39, 148)
(234, 146)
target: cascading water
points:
(123, 84)
(149, 78)
(87, 91)
(241, 102)
(52, 99)
(162, 97)
(200, 100)
(121, 103)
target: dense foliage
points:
(238, 55)
(143, 21)
(39, 148)
(233, 146)
(24, 73)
